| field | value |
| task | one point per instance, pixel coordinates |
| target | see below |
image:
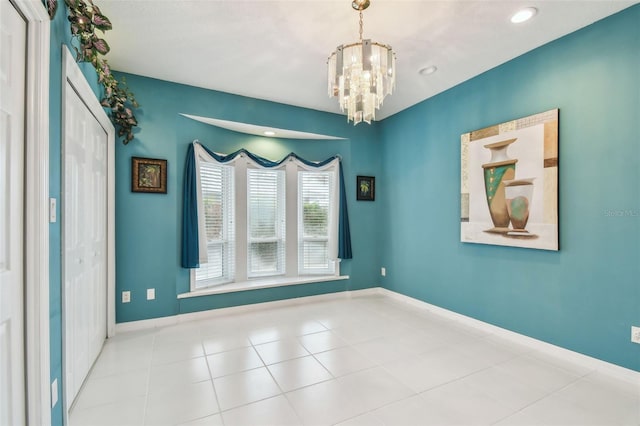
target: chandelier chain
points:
(361, 25)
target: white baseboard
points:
(213, 313)
(576, 358)
(535, 344)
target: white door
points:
(12, 139)
(84, 240)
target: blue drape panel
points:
(344, 234)
(190, 241)
(190, 258)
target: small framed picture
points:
(148, 175)
(365, 188)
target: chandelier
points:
(361, 74)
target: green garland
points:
(86, 18)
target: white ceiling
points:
(277, 50)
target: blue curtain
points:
(190, 243)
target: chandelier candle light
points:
(361, 74)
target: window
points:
(218, 200)
(265, 223)
(314, 207)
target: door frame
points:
(36, 215)
(71, 74)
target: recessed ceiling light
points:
(523, 15)
(428, 70)
(269, 133)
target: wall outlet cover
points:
(126, 296)
(635, 334)
(151, 293)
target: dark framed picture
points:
(148, 175)
(365, 188)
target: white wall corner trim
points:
(37, 355)
(577, 358)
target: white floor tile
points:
(555, 410)
(181, 404)
(358, 332)
(214, 420)
(344, 360)
(605, 399)
(127, 412)
(274, 411)
(375, 387)
(109, 389)
(120, 357)
(538, 373)
(224, 342)
(414, 411)
(504, 388)
(320, 342)
(299, 372)
(367, 419)
(361, 361)
(224, 363)
(488, 352)
(164, 353)
(245, 387)
(466, 404)
(280, 350)
(420, 374)
(325, 403)
(380, 351)
(266, 335)
(178, 373)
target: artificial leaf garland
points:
(85, 18)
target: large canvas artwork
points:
(509, 183)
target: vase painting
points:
(499, 169)
(509, 183)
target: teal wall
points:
(148, 226)
(584, 297)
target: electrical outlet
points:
(126, 296)
(383, 272)
(151, 293)
(635, 334)
(52, 210)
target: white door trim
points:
(36, 192)
(71, 73)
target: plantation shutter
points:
(266, 222)
(315, 193)
(218, 192)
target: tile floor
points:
(361, 361)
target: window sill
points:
(264, 283)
